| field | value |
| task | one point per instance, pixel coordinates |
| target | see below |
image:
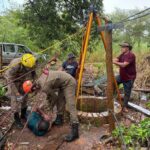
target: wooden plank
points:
(139, 108)
(142, 90)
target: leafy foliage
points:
(135, 32)
(42, 23)
(135, 134)
(2, 90)
(11, 30)
(53, 19)
(148, 105)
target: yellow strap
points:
(56, 43)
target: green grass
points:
(98, 55)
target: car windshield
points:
(23, 49)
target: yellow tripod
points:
(106, 37)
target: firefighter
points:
(66, 85)
(17, 68)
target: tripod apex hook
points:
(92, 8)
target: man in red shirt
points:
(127, 64)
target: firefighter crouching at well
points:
(48, 82)
(19, 67)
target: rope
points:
(25, 94)
(81, 103)
(117, 89)
(122, 138)
(31, 110)
(41, 65)
(28, 58)
(35, 105)
(5, 86)
(56, 43)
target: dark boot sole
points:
(71, 140)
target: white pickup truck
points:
(12, 50)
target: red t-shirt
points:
(128, 72)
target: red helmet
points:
(27, 85)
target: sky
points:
(109, 5)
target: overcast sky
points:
(109, 5)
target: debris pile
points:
(143, 74)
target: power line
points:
(135, 14)
(120, 24)
(137, 17)
(128, 18)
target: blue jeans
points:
(127, 89)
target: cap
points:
(126, 44)
(71, 55)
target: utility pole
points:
(109, 69)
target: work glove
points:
(20, 98)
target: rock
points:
(52, 137)
(5, 108)
(135, 95)
(24, 143)
(143, 148)
(39, 147)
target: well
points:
(94, 110)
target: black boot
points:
(23, 113)
(17, 120)
(59, 120)
(74, 133)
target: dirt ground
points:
(53, 140)
(89, 137)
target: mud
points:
(89, 136)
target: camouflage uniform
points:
(66, 86)
(16, 70)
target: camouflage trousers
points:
(64, 99)
(13, 88)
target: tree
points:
(135, 31)
(11, 30)
(49, 20)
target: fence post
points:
(109, 68)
